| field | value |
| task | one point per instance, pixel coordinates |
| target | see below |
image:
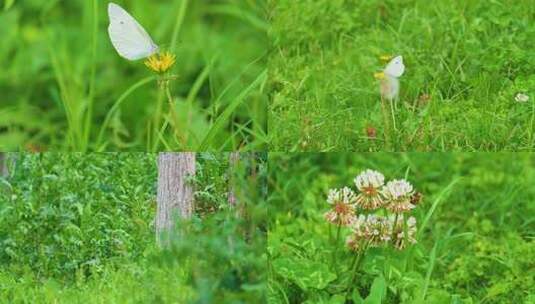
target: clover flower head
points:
(372, 230)
(369, 183)
(343, 206)
(398, 194)
(344, 195)
(401, 237)
(369, 179)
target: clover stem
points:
(336, 243)
(394, 226)
(355, 269)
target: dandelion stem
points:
(157, 118)
(392, 102)
(172, 110)
(386, 123)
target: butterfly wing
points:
(127, 36)
(395, 67)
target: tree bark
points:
(175, 193)
(233, 160)
(3, 164)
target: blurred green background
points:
(477, 247)
(61, 76)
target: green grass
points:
(79, 228)
(475, 230)
(469, 57)
(64, 87)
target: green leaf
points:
(438, 297)
(306, 274)
(357, 299)
(497, 289)
(337, 299)
(8, 4)
(377, 292)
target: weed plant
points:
(473, 243)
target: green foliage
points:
(213, 177)
(226, 259)
(62, 78)
(464, 64)
(72, 212)
(79, 228)
(476, 246)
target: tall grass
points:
(464, 64)
(76, 93)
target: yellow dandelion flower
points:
(386, 58)
(161, 63)
(379, 75)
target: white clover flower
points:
(344, 195)
(521, 97)
(400, 238)
(369, 183)
(398, 194)
(372, 230)
(343, 206)
(369, 179)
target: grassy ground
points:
(477, 245)
(79, 228)
(465, 61)
(64, 87)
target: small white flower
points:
(344, 195)
(398, 195)
(400, 239)
(343, 206)
(397, 188)
(369, 183)
(411, 221)
(521, 97)
(372, 230)
(369, 179)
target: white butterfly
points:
(395, 67)
(127, 36)
(390, 86)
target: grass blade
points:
(220, 121)
(116, 105)
(438, 200)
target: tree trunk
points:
(233, 163)
(3, 164)
(175, 193)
